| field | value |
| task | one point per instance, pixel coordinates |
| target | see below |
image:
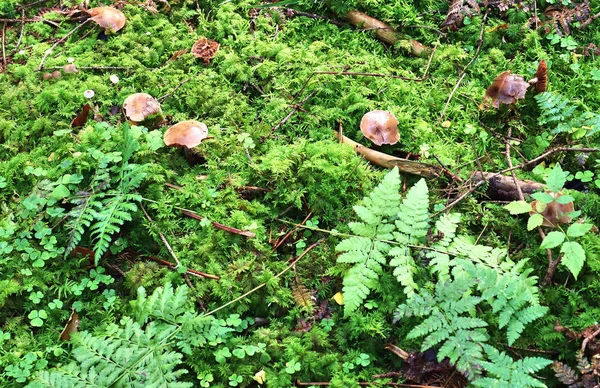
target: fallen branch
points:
(226, 228)
(173, 266)
(388, 161)
(295, 108)
(386, 32)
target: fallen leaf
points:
(260, 377)
(82, 117)
(339, 298)
(70, 327)
(205, 49)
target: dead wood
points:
(386, 33)
(503, 188)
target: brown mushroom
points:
(507, 88)
(140, 107)
(541, 77)
(553, 212)
(380, 126)
(56, 74)
(70, 69)
(187, 134)
(47, 76)
(109, 18)
(206, 49)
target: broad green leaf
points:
(578, 230)
(518, 207)
(564, 199)
(556, 179)
(60, 192)
(542, 197)
(552, 240)
(535, 221)
(573, 256)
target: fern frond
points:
(303, 297)
(440, 261)
(412, 224)
(510, 373)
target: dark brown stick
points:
(161, 99)
(295, 108)
(189, 270)
(278, 243)
(3, 46)
(226, 228)
(364, 384)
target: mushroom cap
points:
(553, 212)
(139, 106)
(109, 18)
(542, 77)
(56, 74)
(205, 49)
(70, 68)
(380, 126)
(507, 88)
(187, 133)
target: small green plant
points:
(552, 208)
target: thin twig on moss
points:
(41, 66)
(291, 265)
(464, 71)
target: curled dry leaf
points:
(205, 49)
(70, 327)
(380, 126)
(140, 106)
(187, 133)
(82, 117)
(109, 18)
(507, 88)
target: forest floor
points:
(286, 248)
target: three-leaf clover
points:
(37, 317)
(292, 367)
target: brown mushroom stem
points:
(386, 33)
(388, 161)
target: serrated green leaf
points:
(552, 240)
(573, 257)
(535, 221)
(556, 179)
(578, 230)
(542, 197)
(518, 207)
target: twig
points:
(587, 339)
(292, 12)
(278, 243)
(188, 270)
(226, 228)
(3, 46)
(97, 68)
(22, 29)
(531, 350)
(360, 74)
(446, 171)
(292, 264)
(162, 236)
(59, 42)
(364, 384)
(464, 71)
(295, 108)
(552, 264)
(30, 21)
(162, 98)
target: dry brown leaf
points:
(70, 327)
(205, 49)
(82, 117)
